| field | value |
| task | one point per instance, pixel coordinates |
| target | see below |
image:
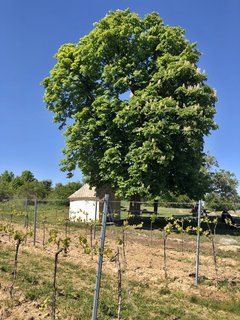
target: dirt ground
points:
(144, 263)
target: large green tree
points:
(139, 106)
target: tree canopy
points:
(135, 105)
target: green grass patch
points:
(232, 306)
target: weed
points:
(164, 291)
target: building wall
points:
(79, 207)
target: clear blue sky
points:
(32, 31)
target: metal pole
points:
(95, 218)
(25, 214)
(35, 222)
(100, 258)
(198, 242)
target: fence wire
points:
(49, 214)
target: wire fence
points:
(151, 214)
(53, 213)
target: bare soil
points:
(144, 264)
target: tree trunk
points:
(155, 207)
(135, 205)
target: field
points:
(146, 291)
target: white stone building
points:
(87, 203)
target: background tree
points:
(139, 105)
(223, 190)
(25, 178)
(23, 186)
(35, 189)
(26, 186)
(61, 192)
(6, 190)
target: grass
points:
(230, 306)
(147, 210)
(52, 212)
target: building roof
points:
(84, 193)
